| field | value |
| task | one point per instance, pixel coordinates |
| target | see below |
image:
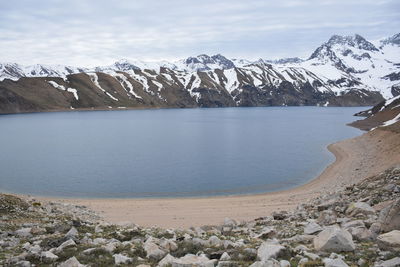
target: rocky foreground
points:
(357, 226)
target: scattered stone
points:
(47, 256)
(360, 208)
(389, 241)
(267, 233)
(312, 228)
(191, 260)
(390, 217)
(121, 259)
(71, 262)
(214, 241)
(153, 251)
(334, 239)
(268, 263)
(269, 250)
(23, 232)
(334, 263)
(166, 261)
(68, 243)
(395, 262)
(72, 233)
(225, 257)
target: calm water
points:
(165, 153)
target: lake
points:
(168, 152)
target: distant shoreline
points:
(356, 159)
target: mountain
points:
(344, 71)
(384, 114)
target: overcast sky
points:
(98, 32)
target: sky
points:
(99, 32)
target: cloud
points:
(98, 32)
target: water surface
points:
(168, 152)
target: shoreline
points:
(356, 159)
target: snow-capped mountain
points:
(14, 71)
(345, 70)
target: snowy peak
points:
(205, 62)
(394, 40)
(344, 45)
(356, 41)
(289, 60)
(124, 65)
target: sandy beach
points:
(356, 159)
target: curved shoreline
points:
(356, 159)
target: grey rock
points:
(71, 262)
(269, 250)
(23, 232)
(360, 208)
(389, 241)
(225, 257)
(390, 217)
(268, 263)
(121, 259)
(48, 256)
(214, 241)
(312, 228)
(191, 260)
(395, 262)
(68, 243)
(72, 233)
(153, 251)
(334, 263)
(23, 264)
(167, 260)
(266, 232)
(334, 239)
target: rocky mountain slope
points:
(344, 71)
(356, 226)
(385, 114)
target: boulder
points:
(269, 250)
(268, 263)
(191, 260)
(168, 245)
(72, 233)
(390, 217)
(47, 256)
(361, 233)
(395, 262)
(68, 243)
(266, 232)
(227, 264)
(23, 232)
(389, 241)
(153, 251)
(334, 239)
(225, 257)
(121, 259)
(214, 241)
(230, 222)
(166, 261)
(312, 228)
(334, 263)
(71, 262)
(360, 208)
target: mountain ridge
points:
(344, 71)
